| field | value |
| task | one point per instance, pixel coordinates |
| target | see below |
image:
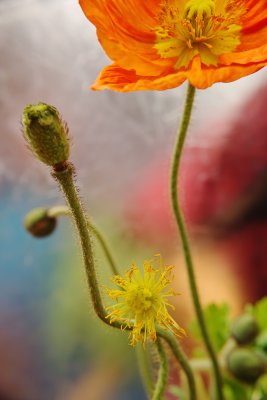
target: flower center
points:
(139, 300)
(207, 28)
(196, 19)
(199, 8)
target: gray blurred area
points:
(49, 52)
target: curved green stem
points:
(66, 181)
(163, 373)
(105, 248)
(174, 183)
(57, 211)
(142, 356)
(145, 369)
(182, 359)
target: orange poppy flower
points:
(158, 44)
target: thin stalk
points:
(174, 182)
(145, 369)
(65, 211)
(182, 359)
(200, 364)
(105, 248)
(58, 211)
(141, 354)
(162, 374)
(66, 181)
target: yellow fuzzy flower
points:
(143, 301)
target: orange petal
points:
(202, 77)
(256, 16)
(118, 79)
(253, 46)
(121, 80)
(125, 31)
(253, 40)
(141, 57)
(259, 54)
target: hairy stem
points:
(145, 367)
(162, 374)
(174, 182)
(182, 359)
(64, 177)
(63, 210)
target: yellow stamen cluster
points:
(199, 8)
(207, 28)
(143, 301)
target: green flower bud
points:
(38, 223)
(245, 365)
(46, 133)
(244, 329)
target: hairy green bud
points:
(38, 222)
(244, 329)
(245, 365)
(46, 133)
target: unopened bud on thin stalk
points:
(46, 133)
(245, 365)
(39, 223)
(244, 329)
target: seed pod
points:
(38, 223)
(245, 365)
(244, 329)
(46, 134)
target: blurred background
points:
(51, 345)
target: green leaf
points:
(259, 311)
(218, 324)
(183, 392)
(263, 386)
(177, 391)
(234, 390)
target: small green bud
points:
(38, 223)
(46, 133)
(245, 365)
(244, 329)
